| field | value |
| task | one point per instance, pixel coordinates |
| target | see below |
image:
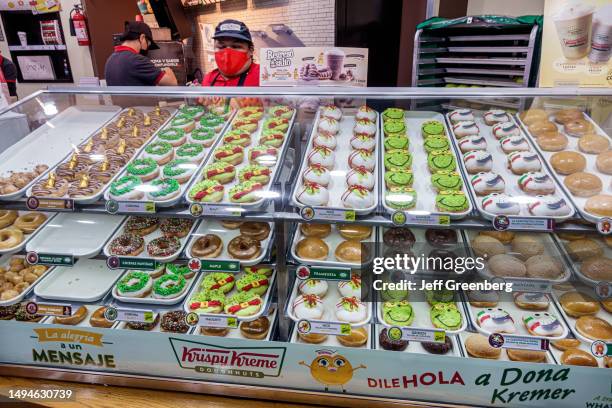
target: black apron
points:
(240, 80)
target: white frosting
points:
(313, 287)
(302, 311)
(365, 143)
(522, 162)
(502, 129)
(359, 158)
(351, 316)
(363, 179)
(322, 156)
(477, 161)
(332, 112)
(318, 197)
(312, 176)
(465, 128)
(500, 204)
(329, 126)
(535, 181)
(351, 199)
(496, 115)
(514, 144)
(470, 143)
(549, 205)
(365, 113)
(488, 182)
(364, 128)
(325, 140)
(346, 289)
(459, 115)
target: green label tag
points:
(220, 266)
(148, 317)
(50, 259)
(321, 272)
(136, 263)
(609, 353)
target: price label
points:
(329, 214)
(324, 273)
(117, 262)
(219, 266)
(49, 309)
(406, 218)
(420, 335)
(499, 340)
(114, 207)
(503, 223)
(198, 210)
(218, 321)
(331, 328)
(34, 258)
(129, 315)
(534, 285)
(56, 204)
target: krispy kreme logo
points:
(208, 358)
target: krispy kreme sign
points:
(209, 358)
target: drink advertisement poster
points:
(576, 43)
(314, 66)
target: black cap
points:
(233, 29)
(138, 27)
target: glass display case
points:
(311, 245)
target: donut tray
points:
(81, 235)
(506, 303)
(147, 187)
(96, 196)
(329, 303)
(575, 265)
(210, 226)
(331, 340)
(421, 309)
(87, 281)
(578, 202)
(500, 167)
(551, 248)
(556, 354)
(237, 334)
(337, 185)
(52, 141)
(416, 347)
(423, 248)
(571, 321)
(502, 357)
(150, 299)
(4, 263)
(83, 323)
(332, 240)
(148, 238)
(266, 298)
(27, 238)
(266, 192)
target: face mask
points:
(230, 61)
(143, 52)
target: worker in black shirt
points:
(129, 66)
(10, 74)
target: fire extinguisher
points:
(78, 25)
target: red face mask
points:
(230, 61)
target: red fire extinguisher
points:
(78, 25)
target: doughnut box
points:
(23, 163)
(504, 173)
(583, 167)
(170, 161)
(507, 318)
(23, 278)
(521, 247)
(81, 235)
(502, 355)
(426, 170)
(150, 294)
(450, 348)
(246, 160)
(169, 245)
(215, 227)
(302, 245)
(341, 165)
(588, 271)
(89, 280)
(85, 174)
(20, 227)
(332, 341)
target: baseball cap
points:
(234, 29)
(138, 27)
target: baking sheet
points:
(575, 265)
(147, 187)
(28, 237)
(337, 185)
(95, 197)
(331, 340)
(332, 240)
(209, 226)
(329, 304)
(416, 347)
(4, 262)
(506, 302)
(503, 356)
(52, 141)
(148, 238)
(87, 281)
(81, 235)
(84, 323)
(591, 167)
(500, 166)
(550, 248)
(556, 354)
(266, 298)
(150, 299)
(426, 195)
(265, 193)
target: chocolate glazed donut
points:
(208, 246)
(441, 237)
(399, 238)
(243, 247)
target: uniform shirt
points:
(251, 79)
(126, 67)
(10, 75)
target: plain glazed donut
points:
(243, 247)
(578, 127)
(10, 238)
(97, 319)
(7, 217)
(29, 222)
(208, 246)
(76, 318)
(255, 230)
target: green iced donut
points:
(176, 168)
(218, 280)
(211, 120)
(452, 201)
(398, 177)
(169, 286)
(445, 316)
(441, 160)
(435, 296)
(142, 167)
(192, 111)
(189, 151)
(436, 143)
(397, 158)
(446, 180)
(243, 304)
(396, 142)
(124, 185)
(202, 134)
(253, 283)
(171, 134)
(432, 128)
(401, 198)
(393, 114)
(158, 148)
(398, 313)
(394, 128)
(168, 187)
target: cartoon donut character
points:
(496, 320)
(543, 324)
(330, 368)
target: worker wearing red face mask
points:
(234, 57)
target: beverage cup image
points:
(335, 61)
(601, 37)
(23, 38)
(573, 23)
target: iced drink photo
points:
(573, 25)
(335, 62)
(601, 37)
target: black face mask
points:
(144, 52)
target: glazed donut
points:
(7, 217)
(567, 115)
(230, 224)
(164, 246)
(29, 222)
(126, 244)
(578, 127)
(243, 247)
(208, 246)
(255, 230)
(10, 238)
(76, 318)
(97, 319)
(538, 128)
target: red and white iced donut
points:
(321, 140)
(469, 143)
(514, 144)
(522, 162)
(364, 127)
(551, 206)
(351, 288)
(504, 129)
(536, 183)
(478, 161)
(495, 116)
(366, 113)
(313, 194)
(460, 115)
(328, 126)
(351, 310)
(313, 287)
(357, 197)
(364, 142)
(500, 204)
(543, 324)
(488, 182)
(331, 111)
(495, 320)
(362, 158)
(360, 176)
(323, 156)
(315, 173)
(465, 128)
(308, 307)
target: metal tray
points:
(330, 341)
(4, 262)
(149, 299)
(503, 356)
(28, 237)
(575, 265)
(416, 347)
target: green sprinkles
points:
(158, 148)
(140, 167)
(166, 186)
(203, 133)
(189, 150)
(171, 134)
(124, 286)
(169, 285)
(124, 185)
(174, 168)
